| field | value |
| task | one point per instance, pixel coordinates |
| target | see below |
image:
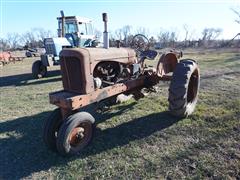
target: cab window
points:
(70, 28)
(82, 28)
(89, 29)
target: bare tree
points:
(152, 41)
(172, 38)
(192, 35)
(163, 38)
(126, 32)
(40, 34)
(142, 30)
(118, 34)
(210, 34)
(4, 45)
(168, 38)
(32, 39)
(13, 40)
(29, 39)
(237, 12)
(35, 37)
(97, 33)
(186, 29)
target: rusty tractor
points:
(92, 75)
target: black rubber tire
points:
(28, 54)
(184, 87)
(79, 119)
(50, 129)
(39, 70)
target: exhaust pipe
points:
(63, 23)
(105, 33)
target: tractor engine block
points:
(85, 69)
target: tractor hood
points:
(78, 64)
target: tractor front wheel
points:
(39, 70)
(75, 133)
(50, 129)
(184, 87)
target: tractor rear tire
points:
(39, 70)
(184, 87)
(50, 129)
(28, 54)
(75, 133)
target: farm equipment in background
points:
(94, 75)
(33, 52)
(7, 57)
(73, 31)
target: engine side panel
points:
(78, 64)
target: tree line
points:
(30, 39)
(165, 38)
(170, 38)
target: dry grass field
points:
(133, 140)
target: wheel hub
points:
(76, 136)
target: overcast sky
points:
(155, 15)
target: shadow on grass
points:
(22, 79)
(23, 152)
(233, 59)
(219, 75)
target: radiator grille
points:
(71, 74)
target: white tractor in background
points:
(73, 31)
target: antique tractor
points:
(91, 75)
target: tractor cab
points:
(77, 30)
(73, 31)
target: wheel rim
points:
(193, 87)
(80, 135)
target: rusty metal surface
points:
(72, 101)
(76, 136)
(7, 57)
(166, 64)
(76, 76)
(124, 55)
(77, 65)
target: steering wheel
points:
(140, 43)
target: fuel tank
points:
(77, 65)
